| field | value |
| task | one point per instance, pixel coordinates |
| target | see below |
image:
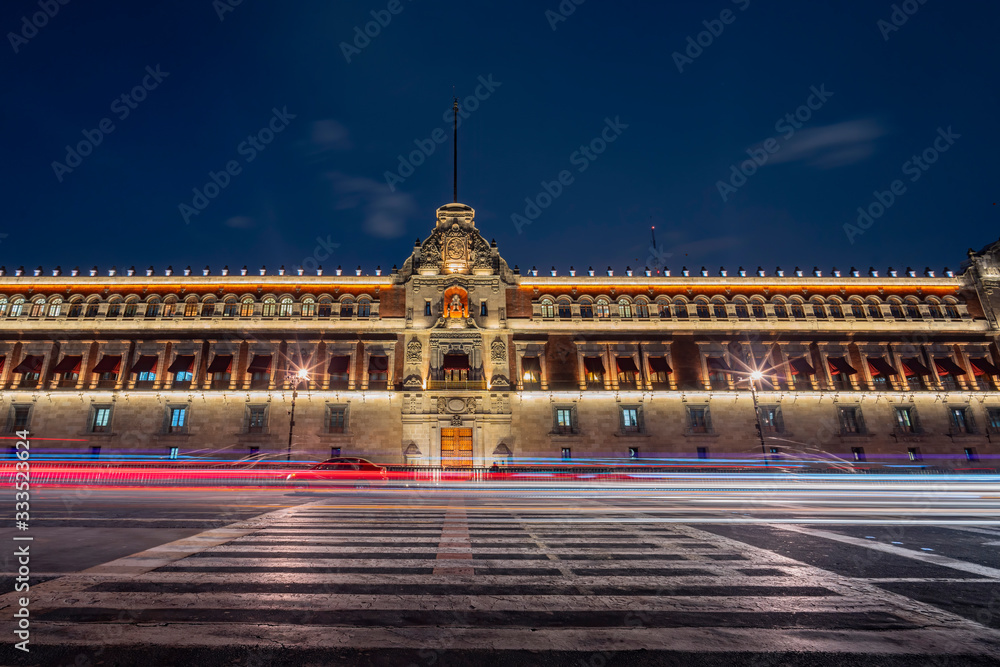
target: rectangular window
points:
(178, 420)
(770, 419)
(336, 419)
(183, 376)
(335, 452)
(913, 453)
(961, 420)
(564, 420)
(993, 419)
(858, 453)
(971, 454)
(566, 454)
(427, 308)
(19, 417)
(101, 419)
(95, 452)
(906, 420)
(774, 450)
(173, 453)
(703, 452)
(483, 310)
(698, 420)
(630, 420)
(633, 452)
(850, 421)
(256, 418)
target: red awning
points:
(979, 366)
(379, 364)
(627, 365)
(339, 365)
(109, 363)
(456, 362)
(32, 363)
(145, 364)
(718, 364)
(529, 364)
(68, 364)
(3, 360)
(913, 367)
(839, 365)
(945, 366)
(659, 365)
(261, 363)
(880, 366)
(221, 363)
(801, 367)
(182, 363)
(594, 365)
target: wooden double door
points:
(456, 447)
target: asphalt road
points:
(491, 576)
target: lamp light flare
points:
(756, 375)
(302, 374)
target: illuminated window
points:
(642, 310)
(55, 308)
(851, 422)
(246, 307)
(3, 307)
(565, 420)
(906, 420)
(37, 308)
(913, 453)
(630, 419)
(173, 453)
(699, 420)
(285, 307)
(961, 421)
(177, 422)
(16, 307)
(771, 420)
(624, 308)
(633, 452)
(308, 307)
(566, 453)
(664, 309)
(169, 309)
(256, 418)
(603, 308)
(100, 418)
(427, 308)
(270, 308)
(190, 309)
(858, 453)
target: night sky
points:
(680, 114)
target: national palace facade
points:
(457, 359)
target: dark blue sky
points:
(323, 175)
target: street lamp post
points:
(298, 376)
(754, 377)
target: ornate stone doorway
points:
(456, 447)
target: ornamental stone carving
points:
(413, 352)
(498, 352)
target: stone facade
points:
(457, 359)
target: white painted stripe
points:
(922, 556)
(923, 641)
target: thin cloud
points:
(385, 212)
(831, 145)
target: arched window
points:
(603, 307)
(270, 308)
(913, 311)
(897, 311)
(624, 308)
(546, 309)
(55, 307)
(325, 307)
(664, 307)
(208, 308)
(874, 311)
(565, 309)
(819, 311)
(37, 308)
(130, 307)
(758, 311)
(16, 307)
(780, 311)
(190, 308)
(246, 307)
(114, 310)
(586, 310)
(642, 310)
(702, 309)
(798, 311)
(720, 311)
(364, 307)
(837, 311)
(91, 309)
(347, 309)
(936, 311)
(858, 311)
(952, 311)
(742, 312)
(75, 309)
(680, 310)
(285, 307)
(231, 307)
(308, 307)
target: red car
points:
(341, 471)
